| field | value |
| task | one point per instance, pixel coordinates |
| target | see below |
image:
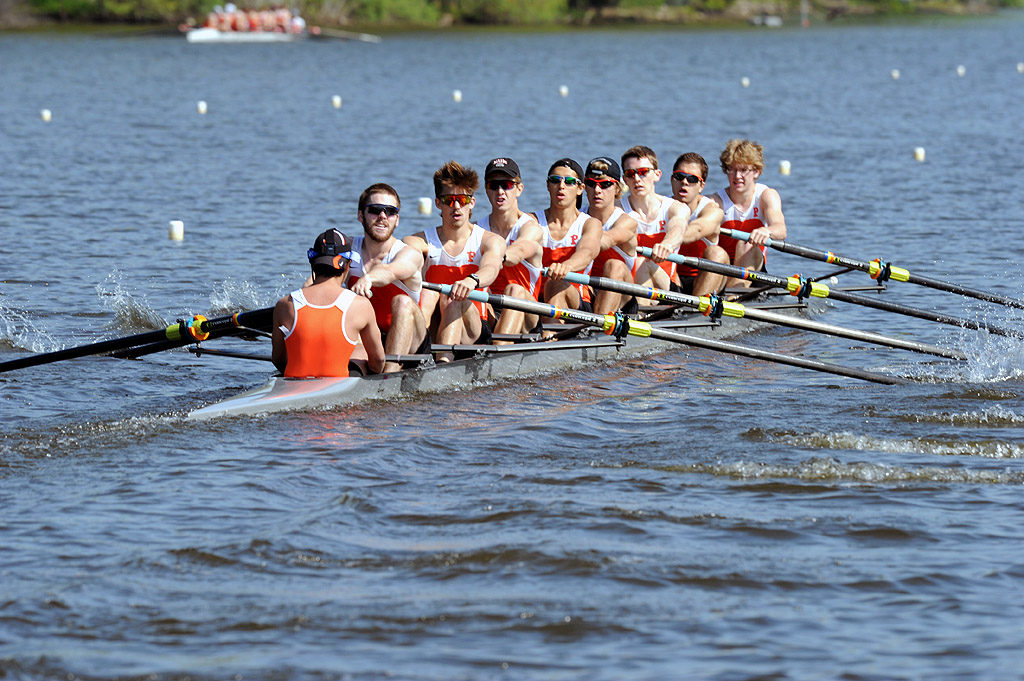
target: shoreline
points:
(16, 17)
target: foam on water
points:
(232, 295)
(19, 332)
(990, 449)
(818, 469)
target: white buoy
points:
(45, 115)
(336, 101)
(744, 81)
(425, 205)
(1020, 67)
(961, 70)
(457, 95)
(919, 153)
(563, 90)
(176, 230)
(895, 73)
(201, 106)
(784, 168)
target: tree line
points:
(448, 12)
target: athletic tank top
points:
(558, 250)
(696, 249)
(651, 232)
(614, 253)
(442, 268)
(742, 221)
(524, 274)
(317, 344)
(382, 295)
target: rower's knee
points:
(716, 254)
(615, 269)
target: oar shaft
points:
(819, 290)
(738, 310)
(873, 268)
(175, 335)
(643, 329)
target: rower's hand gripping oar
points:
(180, 333)
(715, 306)
(619, 325)
(799, 286)
(880, 270)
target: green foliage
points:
(512, 11)
(169, 11)
(395, 11)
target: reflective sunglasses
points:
(568, 180)
(495, 185)
(451, 199)
(680, 176)
(603, 184)
(633, 172)
(376, 209)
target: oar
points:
(798, 285)
(619, 325)
(180, 333)
(716, 305)
(881, 270)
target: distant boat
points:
(768, 20)
(208, 34)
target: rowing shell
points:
(207, 34)
(484, 363)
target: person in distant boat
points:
(572, 239)
(321, 327)
(748, 206)
(617, 257)
(652, 213)
(696, 234)
(460, 253)
(520, 272)
(387, 272)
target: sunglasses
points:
(376, 209)
(680, 176)
(603, 184)
(569, 181)
(495, 185)
(451, 199)
(635, 172)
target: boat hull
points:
(488, 364)
(213, 35)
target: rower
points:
(460, 253)
(572, 239)
(520, 272)
(652, 213)
(319, 328)
(696, 235)
(749, 206)
(387, 272)
(617, 257)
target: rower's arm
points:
(284, 315)
(774, 220)
(492, 250)
(622, 232)
(406, 264)
(527, 246)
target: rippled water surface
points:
(683, 515)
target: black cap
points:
(609, 168)
(502, 166)
(567, 163)
(330, 248)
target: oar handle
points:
(743, 236)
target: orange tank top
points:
(317, 344)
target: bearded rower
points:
(387, 272)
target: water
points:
(682, 515)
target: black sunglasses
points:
(378, 208)
(680, 176)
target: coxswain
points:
(652, 212)
(617, 257)
(524, 244)
(320, 327)
(460, 253)
(696, 235)
(748, 206)
(387, 271)
(572, 239)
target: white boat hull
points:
(213, 35)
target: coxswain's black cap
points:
(330, 248)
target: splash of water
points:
(19, 332)
(132, 312)
(231, 295)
